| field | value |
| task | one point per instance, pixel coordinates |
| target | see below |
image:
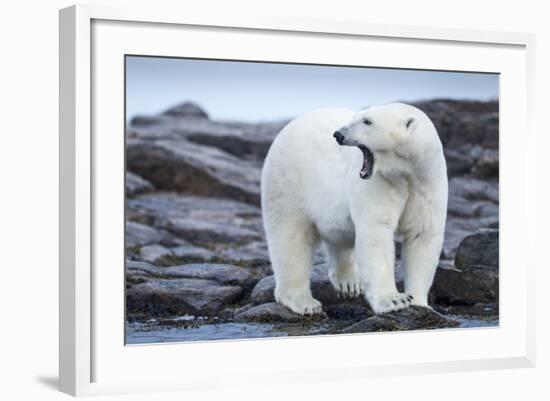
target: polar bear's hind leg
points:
(343, 272)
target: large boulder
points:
(474, 278)
(479, 250)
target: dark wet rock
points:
(321, 288)
(199, 170)
(348, 309)
(219, 223)
(413, 318)
(186, 110)
(178, 296)
(136, 184)
(456, 287)
(269, 312)
(479, 250)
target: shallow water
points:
(153, 332)
(472, 322)
(222, 331)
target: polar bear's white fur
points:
(315, 190)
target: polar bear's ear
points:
(410, 124)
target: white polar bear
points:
(389, 179)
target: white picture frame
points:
(93, 357)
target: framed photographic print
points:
(283, 192)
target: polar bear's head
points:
(390, 135)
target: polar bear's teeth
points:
(368, 162)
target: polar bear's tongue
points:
(368, 163)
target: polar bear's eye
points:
(366, 121)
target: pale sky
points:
(254, 92)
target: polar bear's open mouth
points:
(368, 163)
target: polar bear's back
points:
(304, 161)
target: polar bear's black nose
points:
(339, 137)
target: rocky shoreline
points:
(196, 252)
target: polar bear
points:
(354, 180)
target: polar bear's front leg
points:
(375, 252)
(290, 244)
(421, 257)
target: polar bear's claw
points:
(347, 286)
(390, 303)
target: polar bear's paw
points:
(390, 303)
(303, 303)
(347, 285)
